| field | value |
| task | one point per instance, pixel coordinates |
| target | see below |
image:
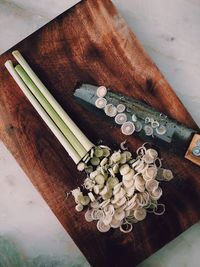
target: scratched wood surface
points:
(92, 43)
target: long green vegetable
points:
(71, 151)
(51, 112)
(60, 111)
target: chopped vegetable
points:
(138, 126)
(155, 124)
(134, 118)
(148, 130)
(161, 130)
(121, 118)
(123, 190)
(120, 108)
(128, 128)
(101, 91)
(110, 110)
(100, 102)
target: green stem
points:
(60, 111)
(51, 112)
(71, 151)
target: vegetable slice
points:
(120, 108)
(101, 91)
(134, 118)
(121, 118)
(110, 110)
(138, 126)
(155, 124)
(128, 128)
(161, 130)
(148, 130)
(100, 102)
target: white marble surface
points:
(169, 31)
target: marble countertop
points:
(169, 31)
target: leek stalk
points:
(60, 111)
(51, 112)
(65, 143)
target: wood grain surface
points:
(91, 43)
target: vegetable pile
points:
(120, 189)
(128, 121)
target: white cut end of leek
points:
(121, 118)
(167, 175)
(155, 124)
(101, 91)
(122, 145)
(134, 118)
(161, 130)
(71, 151)
(110, 110)
(147, 120)
(120, 108)
(81, 166)
(128, 128)
(100, 102)
(138, 126)
(148, 130)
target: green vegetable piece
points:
(95, 161)
(98, 152)
(100, 179)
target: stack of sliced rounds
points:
(121, 190)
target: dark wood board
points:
(92, 43)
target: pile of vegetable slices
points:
(120, 189)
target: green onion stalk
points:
(67, 132)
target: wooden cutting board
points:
(92, 43)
